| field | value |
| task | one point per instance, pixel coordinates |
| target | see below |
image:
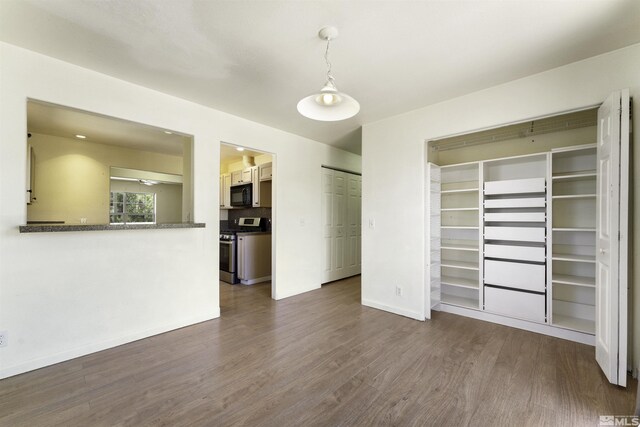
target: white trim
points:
(623, 242)
(102, 345)
(521, 324)
(573, 148)
(395, 310)
(516, 122)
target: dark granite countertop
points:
(46, 228)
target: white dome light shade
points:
(328, 105)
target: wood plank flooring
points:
(321, 359)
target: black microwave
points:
(241, 196)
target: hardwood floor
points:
(321, 359)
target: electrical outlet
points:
(4, 339)
(398, 291)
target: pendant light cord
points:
(326, 58)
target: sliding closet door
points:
(611, 243)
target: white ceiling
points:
(256, 59)
(50, 119)
(229, 154)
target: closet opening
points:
(527, 226)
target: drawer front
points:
(521, 253)
(520, 234)
(528, 202)
(521, 305)
(515, 217)
(530, 277)
(513, 186)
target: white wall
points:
(67, 294)
(393, 162)
(72, 178)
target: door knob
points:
(602, 251)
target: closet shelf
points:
(564, 279)
(459, 301)
(461, 246)
(462, 190)
(458, 209)
(459, 264)
(577, 229)
(574, 323)
(574, 258)
(574, 175)
(575, 196)
(459, 227)
(460, 282)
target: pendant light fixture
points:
(328, 105)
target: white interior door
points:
(341, 210)
(354, 183)
(612, 225)
(340, 223)
(327, 223)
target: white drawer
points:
(521, 305)
(520, 234)
(514, 186)
(522, 253)
(530, 277)
(515, 217)
(524, 202)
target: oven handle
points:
(226, 243)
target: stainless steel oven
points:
(228, 258)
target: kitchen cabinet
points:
(261, 189)
(225, 191)
(243, 176)
(254, 257)
(265, 171)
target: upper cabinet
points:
(261, 188)
(225, 191)
(265, 171)
(241, 177)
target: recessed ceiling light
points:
(168, 132)
(81, 137)
(239, 148)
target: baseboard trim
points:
(521, 324)
(102, 345)
(395, 310)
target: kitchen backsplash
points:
(235, 214)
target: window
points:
(132, 208)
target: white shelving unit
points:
(434, 239)
(516, 237)
(515, 249)
(460, 230)
(573, 258)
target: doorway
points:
(247, 261)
